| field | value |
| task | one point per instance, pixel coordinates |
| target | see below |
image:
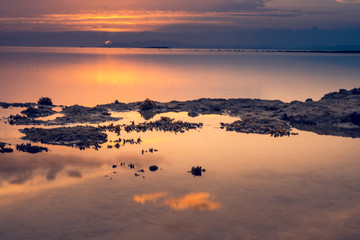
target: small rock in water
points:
(197, 171)
(153, 168)
(30, 149)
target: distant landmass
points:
(271, 39)
(172, 44)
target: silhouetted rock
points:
(147, 105)
(193, 114)
(45, 101)
(80, 136)
(197, 171)
(165, 124)
(30, 149)
(4, 149)
(32, 112)
(153, 168)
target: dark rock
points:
(80, 136)
(165, 124)
(193, 114)
(4, 149)
(114, 166)
(147, 105)
(45, 101)
(197, 171)
(355, 118)
(153, 168)
(30, 149)
(32, 112)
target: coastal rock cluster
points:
(337, 113)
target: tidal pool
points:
(254, 187)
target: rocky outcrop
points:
(80, 136)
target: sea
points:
(254, 186)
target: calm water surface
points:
(89, 76)
(254, 187)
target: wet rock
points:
(334, 114)
(80, 114)
(4, 149)
(153, 168)
(81, 137)
(30, 148)
(193, 114)
(19, 120)
(165, 124)
(197, 171)
(33, 112)
(272, 126)
(355, 118)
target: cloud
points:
(348, 1)
(129, 21)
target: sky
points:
(175, 16)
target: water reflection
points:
(201, 201)
(106, 75)
(149, 197)
(18, 169)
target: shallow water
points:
(90, 76)
(254, 187)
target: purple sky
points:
(175, 16)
